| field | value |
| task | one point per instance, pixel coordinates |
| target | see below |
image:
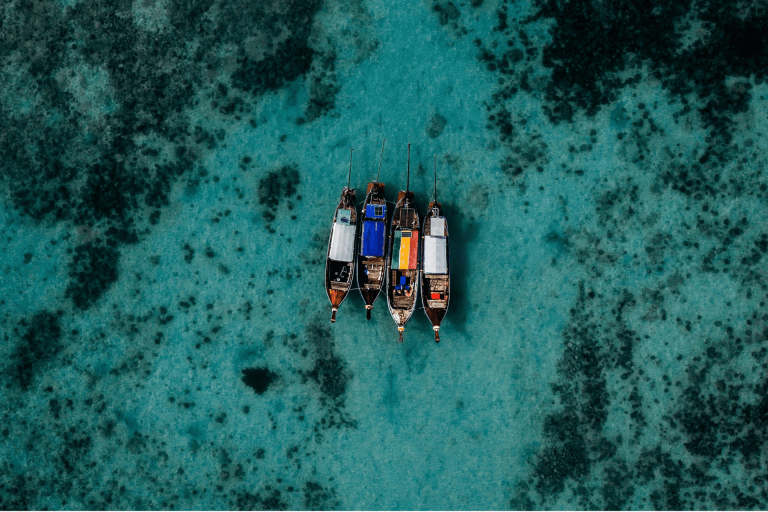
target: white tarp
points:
(437, 226)
(343, 242)
(435, 260)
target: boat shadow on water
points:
(463, 233)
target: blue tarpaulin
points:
(373, 238)
(375, 211)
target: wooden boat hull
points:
(371, 270)
(403, 278)
(435, 287)
(339, 273)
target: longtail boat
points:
(371, 260)
(403, 260)
(340, 262)
(436, 271)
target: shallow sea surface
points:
(168, 176)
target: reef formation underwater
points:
(168, 171)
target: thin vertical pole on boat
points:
(408, 179)
(380, 159)
(435, 177)
(349, 178)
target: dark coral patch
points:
(272, 499)
(585, 70)
(38, 345)
(103, 136)
(597, 342)
(109, 164)
(329, 371)
(317, 497)
(275, 188)
(277, 185)
(330, 375)
(292, 59)
(448, 14)
(322, 88)
(436, 126)
(92, 272)
(259, 379)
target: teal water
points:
(169, 172)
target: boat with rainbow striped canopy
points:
(371, 260)
(403, 261)
(436, 270)
(340, 261)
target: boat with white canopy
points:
(436, 273)
(340, 261)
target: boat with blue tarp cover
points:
(340, 261)
(371, 260)
(403, 259)
(436, 272)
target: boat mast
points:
(435, 177)
(349, 178)
(408, 179)
(380, 159)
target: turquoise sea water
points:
(169, 172)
